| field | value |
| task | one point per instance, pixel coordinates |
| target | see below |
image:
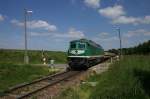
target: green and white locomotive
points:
(84, 53)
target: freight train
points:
(84, 53)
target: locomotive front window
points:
(81, 45)
(73, 46)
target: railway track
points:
(29, 89)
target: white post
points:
(26, 57)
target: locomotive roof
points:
(88, 41)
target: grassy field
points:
(11, 75)
(13, 71)
(127, 79)
(35, 57)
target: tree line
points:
(141, 49)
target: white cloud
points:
(105, 37)
(75, 33)
(36, 24)
(126, 20)
(146, 20)
(1, 18)
(16, 22)
(92, 3)
(106, 40)
(135, 33)
(72, 33)
(41, 34)
(131, 20)
(117, 15)
(112, 12)
(110, 39)
(41, 24)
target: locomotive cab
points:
(83, 53)
(77, 51)
(77, 48)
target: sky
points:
(54, 23)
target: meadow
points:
(11, 74)
(13, 71)
(128, 78)
(35, 56)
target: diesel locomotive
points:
(84, 53)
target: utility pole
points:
(120, 53)
(26, 57)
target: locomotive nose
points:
(76, 51)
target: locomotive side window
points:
(81, 45)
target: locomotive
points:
(84, 53)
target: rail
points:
(28, 89)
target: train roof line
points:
(89, 41)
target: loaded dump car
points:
(84, 53)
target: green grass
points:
(127, 79)
(11, 75)
(35, 56)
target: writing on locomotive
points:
(84, 53)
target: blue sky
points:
(54, 23)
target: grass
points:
(11, 75)
(13, 71)
(35, 56)
(126, 79)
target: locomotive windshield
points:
(73, 45)
(77, 45)
(81, 45)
